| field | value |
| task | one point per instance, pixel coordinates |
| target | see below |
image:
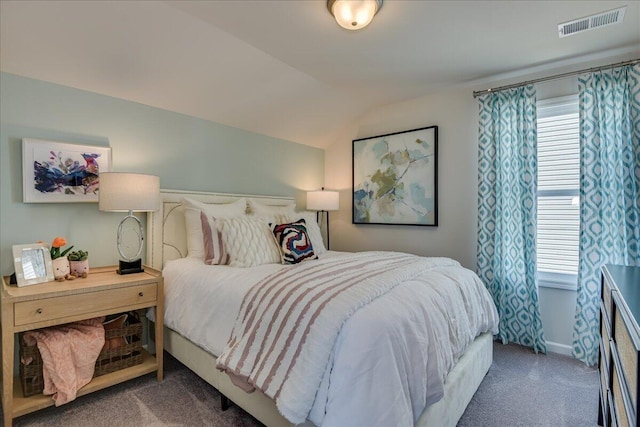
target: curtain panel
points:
(507, 212)
(609, 191)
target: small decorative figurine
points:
(61, 268)
(79, 263)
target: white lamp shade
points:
(124, 192)
(354, 14)
(323, 200)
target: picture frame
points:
(33, 264)
(395, 178)
(58, 172)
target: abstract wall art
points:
(395, 178)
(55, 172)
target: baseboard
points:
(555, 347)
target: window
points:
(558, 192)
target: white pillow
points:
(272, 213)
(313, 229)
(192, 209)
(248, 241)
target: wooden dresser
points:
(619, 346)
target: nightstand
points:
(103, 292)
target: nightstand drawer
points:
(607, 301)
(603, 367)
(628, 353)
(86, 303)
(612, 421)
(605, 332)
(604, 407)
(619, 408)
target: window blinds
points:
(558, 185)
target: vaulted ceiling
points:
(284, 68)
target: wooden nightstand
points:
(103, 292)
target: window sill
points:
(558, 284)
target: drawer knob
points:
(39, 311)
(140, 294)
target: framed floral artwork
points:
(57, 172)
(395, 178)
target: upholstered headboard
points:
(166, 230)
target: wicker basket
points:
(108, 360)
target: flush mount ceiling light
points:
(354, 14)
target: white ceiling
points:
(284, 68)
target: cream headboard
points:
(166, 230)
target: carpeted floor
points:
(527, 389)
(521, 389)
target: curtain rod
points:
(557, 76)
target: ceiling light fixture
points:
(354, 14)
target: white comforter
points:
(391, 357)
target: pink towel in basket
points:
(69, 354)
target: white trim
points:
(554, 347)
(557, 285)
(568, 282)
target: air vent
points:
(590, 22)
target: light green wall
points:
(186, 152)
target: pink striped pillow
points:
(214, 250)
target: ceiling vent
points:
(603, 19)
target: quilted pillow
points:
(313, 229)
(293, 240)
(215, 252)
(248, 241)
(193, 222)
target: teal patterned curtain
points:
(609, 191)
(507, 205)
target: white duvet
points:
(391, 357)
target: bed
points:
(167, 249)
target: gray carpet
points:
(527, 389)
(521, 389)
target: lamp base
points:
(128, 267)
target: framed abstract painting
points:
(56, 172)
(395, 178)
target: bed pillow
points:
(215, 252)
(193, 221)
(248, 241)
(293, 241)
(313, 229)
(272, 213)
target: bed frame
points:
(166, 240)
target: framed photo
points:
(395, 178)
(56, 172)
(33, 264)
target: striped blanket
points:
(283, 337)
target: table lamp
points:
(129, 192)
(323, 201)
